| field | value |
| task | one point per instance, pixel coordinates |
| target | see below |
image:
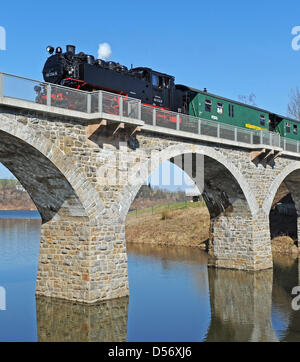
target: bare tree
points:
(294, 104)
(250, 99)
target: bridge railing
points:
(53, 95)
(111, 103)
(12, 86)
(290, 145)
(182, 122)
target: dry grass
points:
(166, 214)
(16, 201)
(284, 245)
(188, 227)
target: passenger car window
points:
(287, 127)
(220, 108)
(262, 120)
(295, 129)
(208, 105)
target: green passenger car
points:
(211, 107)
(289, 128)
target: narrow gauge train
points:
(155, 89)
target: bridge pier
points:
(240, 241)
(80, 261)
(240, 233)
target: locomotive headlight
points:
(58, 50)
(50, 49)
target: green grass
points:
(11, 182)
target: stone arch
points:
(237, 240)
(129, 193)
(285, 187)
(25, 138)
(276, 184)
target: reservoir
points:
(174, 296)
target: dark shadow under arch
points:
(45, 184)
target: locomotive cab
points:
(159, 88)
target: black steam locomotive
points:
(84, 72)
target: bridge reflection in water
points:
(63, 321)
(240, 303)
(286, 277)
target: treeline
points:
(8, 189)
(148, 193)
(8, 183)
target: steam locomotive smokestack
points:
(71, 49)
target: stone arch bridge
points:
(83, 170)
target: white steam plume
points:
(104, 51)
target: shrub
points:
(166, 214)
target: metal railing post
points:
(235, 134)
(279, 140)
(251, 138)
(49, 95)
(261, 137)
(139, 110)
(89, 103)
(1, 85)
(177, 123)
(100, 97)
(218, 130)
(297, 147)
(199, 126)
(284, 144)
(121, 107)
(154, 117)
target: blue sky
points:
(232, 48)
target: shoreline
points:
(20, 209)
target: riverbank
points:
(17, 206)
(185, 227)
(13, 199)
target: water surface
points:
(173, 297)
